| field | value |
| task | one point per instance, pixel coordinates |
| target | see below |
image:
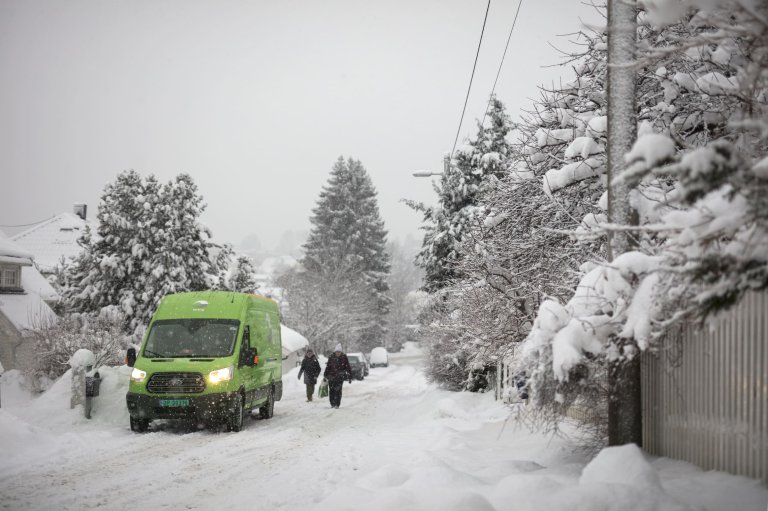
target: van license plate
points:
(174, 402)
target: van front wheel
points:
(139, 425)
(268, 410)
(235, 421)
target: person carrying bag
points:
(336, 371)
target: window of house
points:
(10, 277)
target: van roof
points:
(210, 304)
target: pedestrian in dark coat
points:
(310, 367)
(336, 371)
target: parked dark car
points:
(366, 364)
(359, 365)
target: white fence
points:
(705, 393)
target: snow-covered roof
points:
(292, 340)
(11, 252)
(26, 311)
(53, 239)
(33, 282)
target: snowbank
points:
(621, 465)
(14, 390)
(16, 437)
(109, 408)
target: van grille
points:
(176, 383)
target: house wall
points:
(705, 393)
(9, 340)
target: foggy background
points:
(255, 100)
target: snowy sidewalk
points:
(396, 443)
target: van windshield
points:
(191, 338)
(353, 359)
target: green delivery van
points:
(209, 357)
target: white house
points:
(54, 239)
(25, 296)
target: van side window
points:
(247, 335)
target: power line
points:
(27, 225)
(471, 78)
(502, 62)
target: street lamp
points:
(429, 173)
(426, 173)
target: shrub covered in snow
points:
(57, 343)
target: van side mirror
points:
(130, 357)
(249, 357)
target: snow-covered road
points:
(395, 443)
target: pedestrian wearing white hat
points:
(336, 371)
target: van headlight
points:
(221, 375)
(138, 375)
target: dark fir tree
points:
(348, 243)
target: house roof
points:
(26, 311)
(11, 252)
(53, 239)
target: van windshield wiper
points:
(153, 354)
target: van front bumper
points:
(201, 408)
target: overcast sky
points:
(254, 99)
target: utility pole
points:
(624, 402)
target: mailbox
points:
(92, 384)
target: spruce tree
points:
(474, 167)
(242, 278)
(348, 243)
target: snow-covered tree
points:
(346, 248)
(328, 309)
(148, 243)
(475, 164)
(242, 277)
(698, 177)
(404, 281)
(475, 171)
(183, 261)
